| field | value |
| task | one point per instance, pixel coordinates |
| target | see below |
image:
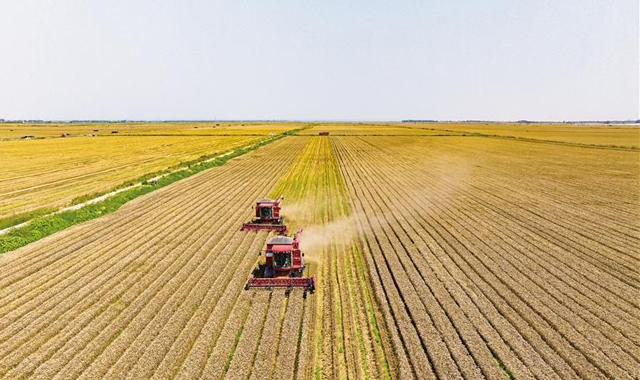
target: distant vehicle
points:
(323, 133)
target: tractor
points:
(267, 217)
(284, 266)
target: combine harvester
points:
(267, 217)
(284, 265)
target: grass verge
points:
(16, 219)
(44, 226)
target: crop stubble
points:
(115, 304)
(474, 258)
(346, 337)
(434, 216)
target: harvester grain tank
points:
(267, 217)
(284, 266)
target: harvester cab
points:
(267, 217)
(284, 266)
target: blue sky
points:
(320, 60)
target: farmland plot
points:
(500, 258)
(361, 129)
(52, 172)
(622, 136)
(14, 131)
(344, 337)
(435, 256)
(155, 289)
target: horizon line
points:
(521, 121)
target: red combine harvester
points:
(267, 217)
(284, 266)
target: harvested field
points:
(617, 135)
(111, 300)
(12, 131)
(50, 173)
(361, 129)
(511, 253)
(436, 257)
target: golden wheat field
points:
(618, 135)
(51, 171)
(440, 251)
(15, 131)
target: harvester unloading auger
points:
(284, 266)
(267, 217)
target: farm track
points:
(565, 334)
(149, 301)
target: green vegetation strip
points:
(25, 216)
(44, 226)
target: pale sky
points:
(320, 60)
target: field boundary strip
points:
(35, 229)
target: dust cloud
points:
(319, 236)
(297, 211)
(316, 237)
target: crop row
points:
(433, 260)
(474, 284)
(148, 291)
(38, 180)
(344, 336)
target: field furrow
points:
(566, 329)
(117, 312)
(436, 255)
